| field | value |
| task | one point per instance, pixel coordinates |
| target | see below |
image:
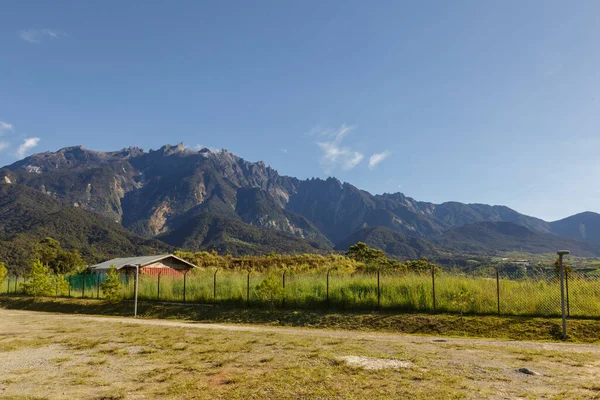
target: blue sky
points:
(473, 101)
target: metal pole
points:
(184, 284)
(158, 289)
(215, 286)
(567, 289)
(16, 280)
(283, 281)
(433, 286)
(70, 283)
(98, 285)
(137, 277)
(378, 291)
(248, 291)
(562, 291)
(498, 289)
(83, 286)
(327, 296)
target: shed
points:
(166, 265)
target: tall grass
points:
(454, 292)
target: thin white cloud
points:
(38, 35)
(284, 150)
(335, 155)
(4, 146)
(5, 127)
(377, 158)
(28, 144)
(199, 147)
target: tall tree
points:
(60, 261)
(363, 253)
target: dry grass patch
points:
(129, 360)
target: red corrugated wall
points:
(171, 272)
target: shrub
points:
(463, 300)
(39, 281)
(111, 287)
(60, 284)
(270, 289)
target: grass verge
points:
(500, 327)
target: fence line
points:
(484, 292)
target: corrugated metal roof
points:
(134, 261)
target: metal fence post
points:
(70, 283)
(562, 290)
(378, 290)
(498, 288)
(158, 288)
(567, 289)
(283, 281)
(248, 291)
(433, 286)
(98, 286)
(184, 284)
(16, 281)
(82, 286)
(327, 293)
(137, 286)
(215, 286)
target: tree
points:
(422, 265)
(59, 260)
(111, 287)
(38, 282)
(365, 254)
(3, 272)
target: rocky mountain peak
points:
(178, 149)
(156, 192)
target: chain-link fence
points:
(534, 292)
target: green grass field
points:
(411, 292)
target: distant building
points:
(165, 265)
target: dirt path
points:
(567, 347)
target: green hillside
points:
(28, 216)
(231, 236)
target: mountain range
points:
(175, 197)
